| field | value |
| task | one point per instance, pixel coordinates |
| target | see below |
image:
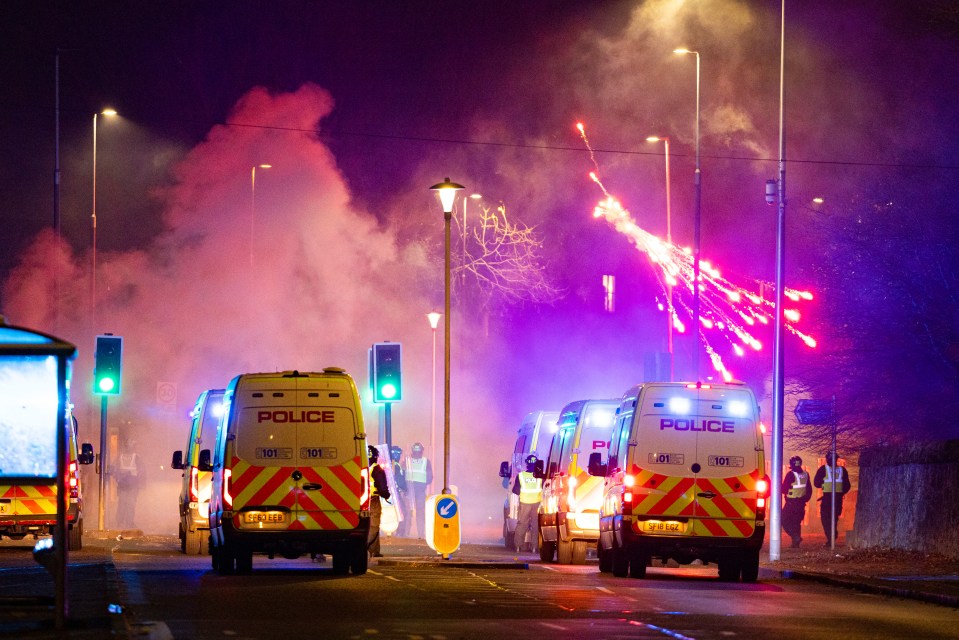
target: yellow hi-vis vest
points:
(800, 482)
(530, 488)
(829, 484)
(373, 492)
(416, 470)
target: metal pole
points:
(101, 462)
(252, 209)
(835, 479)
(93, 236)
(779, 368)
(669, 287)
(433, 402)
(60, 546)
(697, 223)
(56, 179)
(448, 216)
(388, 421)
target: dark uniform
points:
(797, 490)
(380, 489)
(831, 478)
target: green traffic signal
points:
(386, 372)
(107, 368)
(388, 391)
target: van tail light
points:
(629, 481)
(571, 494)
(194, 484)
(762, 493)
(365, 496)
(227, 481)
(73, 481)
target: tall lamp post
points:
(697, 179)
(447, 191)
(779, 369)
(434, 318)
(669, 240)
(253, 202)
(93, 232)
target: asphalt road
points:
(403, 596)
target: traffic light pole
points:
(388, 423)
(101, 465)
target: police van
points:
(28, 504)
(197, 467)
(533, 437)
(684, 479)
(290, 471)
(569, 512)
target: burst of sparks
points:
(728, 312)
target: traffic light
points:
(387, 381)
(106, 370)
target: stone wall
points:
(909, 498)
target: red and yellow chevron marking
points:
(334, 506)
(30, 500)
(588, 492)
(731, 513)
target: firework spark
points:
(729, 313)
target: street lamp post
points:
(253, 202)
(447, 191)
(434, 319)
(779, 368)
(696, 218)
(669, 240)
(93, 226)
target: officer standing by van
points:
(798, 490)
(399, 481)
(127, 475)
(529, 488)
(833, 480)
(419, 475)
(380, 490)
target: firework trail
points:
(729, 313)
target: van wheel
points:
(579, 552)
(750, 565)
(341, 561)
(224, 561)
(637, 564)
(620, 561)
(360, 561)
(180, 533)
(193, 542)
(605, 558)
(564, 551)
(547, 549)
(75, 536)
(244, 561)
(730, 566)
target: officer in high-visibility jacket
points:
(832, 479)
(379, 489)
(797, 490)
(529, 488)
(419, 475)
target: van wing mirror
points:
(177, 462)
(504, 469)
(205, 464)
(595, 467)
(86, 453)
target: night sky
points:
(361, 106)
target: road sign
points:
(443, 524)
(815, 411)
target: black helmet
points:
(373, 453)
(795, 461)
(531, 459)
(396, 453)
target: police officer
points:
(399, 481)
(529, 488)
(833, 480)
(380, 489)
(798, 490)
(419, 475)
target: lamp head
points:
(447, 191)
(434, 318)
(109, 112)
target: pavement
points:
(95, 589)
